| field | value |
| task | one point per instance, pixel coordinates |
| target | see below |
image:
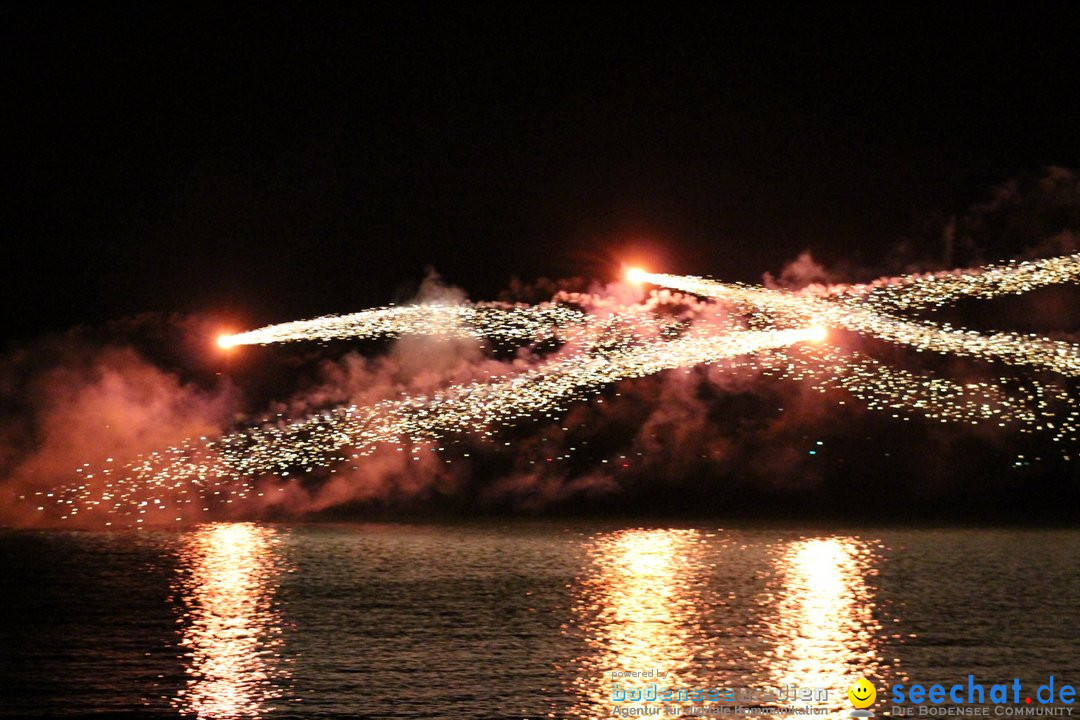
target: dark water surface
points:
(522, 620)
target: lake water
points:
(518, 620)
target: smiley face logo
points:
(861, 693)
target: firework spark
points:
(490, 320)
(776, 332)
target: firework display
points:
(792, 335)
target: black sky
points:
(263, 164)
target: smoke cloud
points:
(68, 406)
(703, 439)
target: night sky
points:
(263, 165)
(171, 173)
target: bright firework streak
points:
(203, 469)
(599, 350)
(1030, 350)
(938, 289)
(495, 321)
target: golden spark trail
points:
(1032, 405)
(507, 323)
(204, 469)
(777, 333)
(938, 289)
(1030, 350)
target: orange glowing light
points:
(225, 341)
(825, 626)
(817, 333)
(636, 275)
(231, 629)
(639, 606)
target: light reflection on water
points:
(824, 632)
(637, 605)
(231, 627)
(479, 622)
(649, 599)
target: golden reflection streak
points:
(825, 634)
(638, 608)
(232, 631)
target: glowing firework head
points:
(226, 341)
(817, 333)
(636, 275)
